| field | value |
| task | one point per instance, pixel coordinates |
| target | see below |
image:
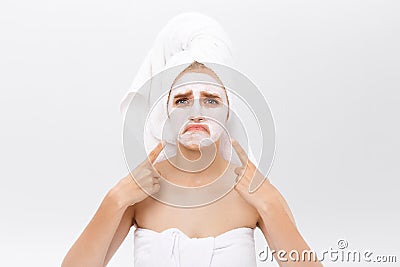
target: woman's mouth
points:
(196, 127)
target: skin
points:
(126, 205)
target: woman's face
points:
(197, 112)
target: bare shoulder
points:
(248, 213)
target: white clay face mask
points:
(197, 113)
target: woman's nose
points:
(195, 109)
(197, 119)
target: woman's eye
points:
(182, 101)
(211, 101)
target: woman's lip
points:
(197, 128)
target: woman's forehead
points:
(197, 76)
(198, 89)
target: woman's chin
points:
(195, 144)
(194, 147)
(191, 145)
(193, 141)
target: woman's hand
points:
(128, 190)
(112, 221)
(251, 183)
(276, 220)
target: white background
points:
(329, 70)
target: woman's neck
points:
(199, 167)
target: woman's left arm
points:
(276, 220)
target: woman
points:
(220, 233)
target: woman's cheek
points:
(215, 130)
(216, 117)
(174, 124)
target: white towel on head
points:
(186, 37)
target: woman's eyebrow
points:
(185, 94)
(210, 94)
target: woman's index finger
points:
(240, 151)
(155, 152)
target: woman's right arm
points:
(113, 219)
(92, 245)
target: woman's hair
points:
(198, 67)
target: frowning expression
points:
(197, 111)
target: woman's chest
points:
(212, 219)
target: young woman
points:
(220, 233)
